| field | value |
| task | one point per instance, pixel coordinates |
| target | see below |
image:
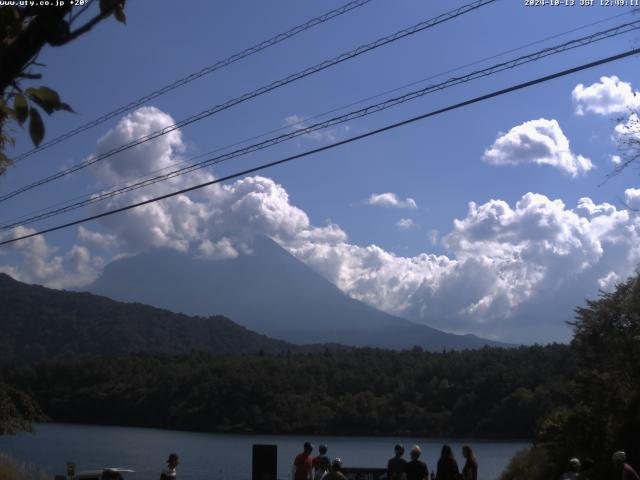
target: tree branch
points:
(85, 28)
(29, 42)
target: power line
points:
(15, 221)
(369, 110)
(196, 75)
(247, 96)
(433, 113)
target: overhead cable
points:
(260, 91)
(307, 153)
(363, 112)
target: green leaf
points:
(36, 127)
(119, 14)
(115, 7)
(21, 108)
(46, 98)
(4, 162)
(66, 107)
(107, 5)
(6, 111)
(4, 159)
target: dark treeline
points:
(491, 392)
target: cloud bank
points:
(511, 271)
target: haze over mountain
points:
(39, 323)
(268, 291)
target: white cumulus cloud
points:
(540, 142)
(41, 263)
(405, 224)
(632, 198)
(390, 199)
(98, 240)
(608, 96)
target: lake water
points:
(215, 456)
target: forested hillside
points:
(489, 392)
(40, 323)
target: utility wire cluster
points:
(378, 131)
(201, 73)
(319, 115)
(150, 179)
(363, 112)
(260, 91)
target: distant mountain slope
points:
(269, 291)
(41, 323)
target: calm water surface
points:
(216, 456)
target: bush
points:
(529, 464)
(11, 469)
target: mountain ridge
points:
(40, 323)
(271, 292)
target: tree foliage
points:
(627, 138)
(352, 391)
(24, 31)
(605, 415)
(17, 411)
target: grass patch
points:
(11, 469)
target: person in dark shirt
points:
(470, 469)
(586, 470)
(322, 462)
(303, 463)
(169, 473)
(396, 465)
(624, 470)
(416, 469)
(447, 465)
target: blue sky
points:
(437, 162)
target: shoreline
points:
(237, 433)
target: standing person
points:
(447, 465)
(322, 460)
(396, 465)
(169, 473)
(416, 469)
(622, 468)
(573, 472)
(586, 469)
(303, 464)
(336, 471)
(470, 469)
(324, 465)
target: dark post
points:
(265, 462)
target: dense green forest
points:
(487, 392)
(40, 323)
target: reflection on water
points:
(215, 456)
